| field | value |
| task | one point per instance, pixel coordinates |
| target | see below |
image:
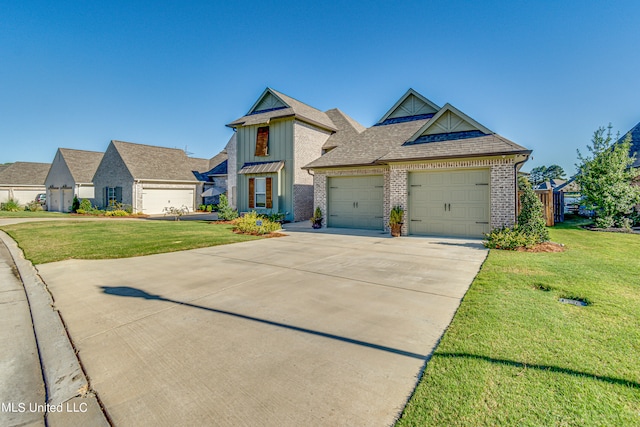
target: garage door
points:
(452, 203)
(356, 202)
(4, 195)
(154, 200)
(53, 199)
(67, 199)
(26, 196)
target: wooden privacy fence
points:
(552, 205)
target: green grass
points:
(52, 241)
(514, 355)
(29, 214)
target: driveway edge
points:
(70, 401)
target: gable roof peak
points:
(410, 105)
(449, 120)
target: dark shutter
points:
(106, 196)
(119, 194)
(269, 194)
(252, 193)
(262, 141)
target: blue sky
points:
(544, 74)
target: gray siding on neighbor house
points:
(280, 148)
(112, 172)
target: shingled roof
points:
(448, 133)
(347, 127)
(24, 173)
(82, 164)
(289, 107)
(157, 163)
(635, 144)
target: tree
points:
(531, 218)
(540, 174)
(605, 179)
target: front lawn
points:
(514, 355)
(30, 214)
(52, 241)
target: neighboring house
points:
(232, 169)
(22, 181)
(635, 144)
(452, 175)
(552, 184)
(70, 176)
(147, 178)
(274, 140)
(215, 179)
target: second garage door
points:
(154, 200)
(356, 202)
(452, 203)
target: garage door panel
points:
(457, 206)
(155, 200)
(356, 202)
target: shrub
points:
(209, 208)
(274, 216)
(11, 205)
(85, 205)
(201, 208)
(252, 223)
(116, 212)
(226, 212)
(33, 207)
(396, 215)
(531, 217)
(75, 205)
(510, 239)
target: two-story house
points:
(273, 141)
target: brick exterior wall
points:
(308, 141)
(396, 179)
(112, 172)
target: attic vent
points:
(267, 110)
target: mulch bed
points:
(544, 247)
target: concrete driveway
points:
(310, 329)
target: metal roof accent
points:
(261, 167)
(450, 136)
(395, 120)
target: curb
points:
(67, 386)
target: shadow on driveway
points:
(126, 291)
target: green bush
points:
(531, 218)
(85, 205)
(226, 212)
(11, 205)
(33, 207)
(252, 223)
(75, 205)
(117, 212)
(209, 208)
(510, 239)
(274, 216)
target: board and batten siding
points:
(280, 148)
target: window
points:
(262, 141)
(261, 193)
(114, 195)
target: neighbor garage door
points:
(154, 200)
(452, 203)
(26, 196)
(356, 202)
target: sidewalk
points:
(40, 376)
